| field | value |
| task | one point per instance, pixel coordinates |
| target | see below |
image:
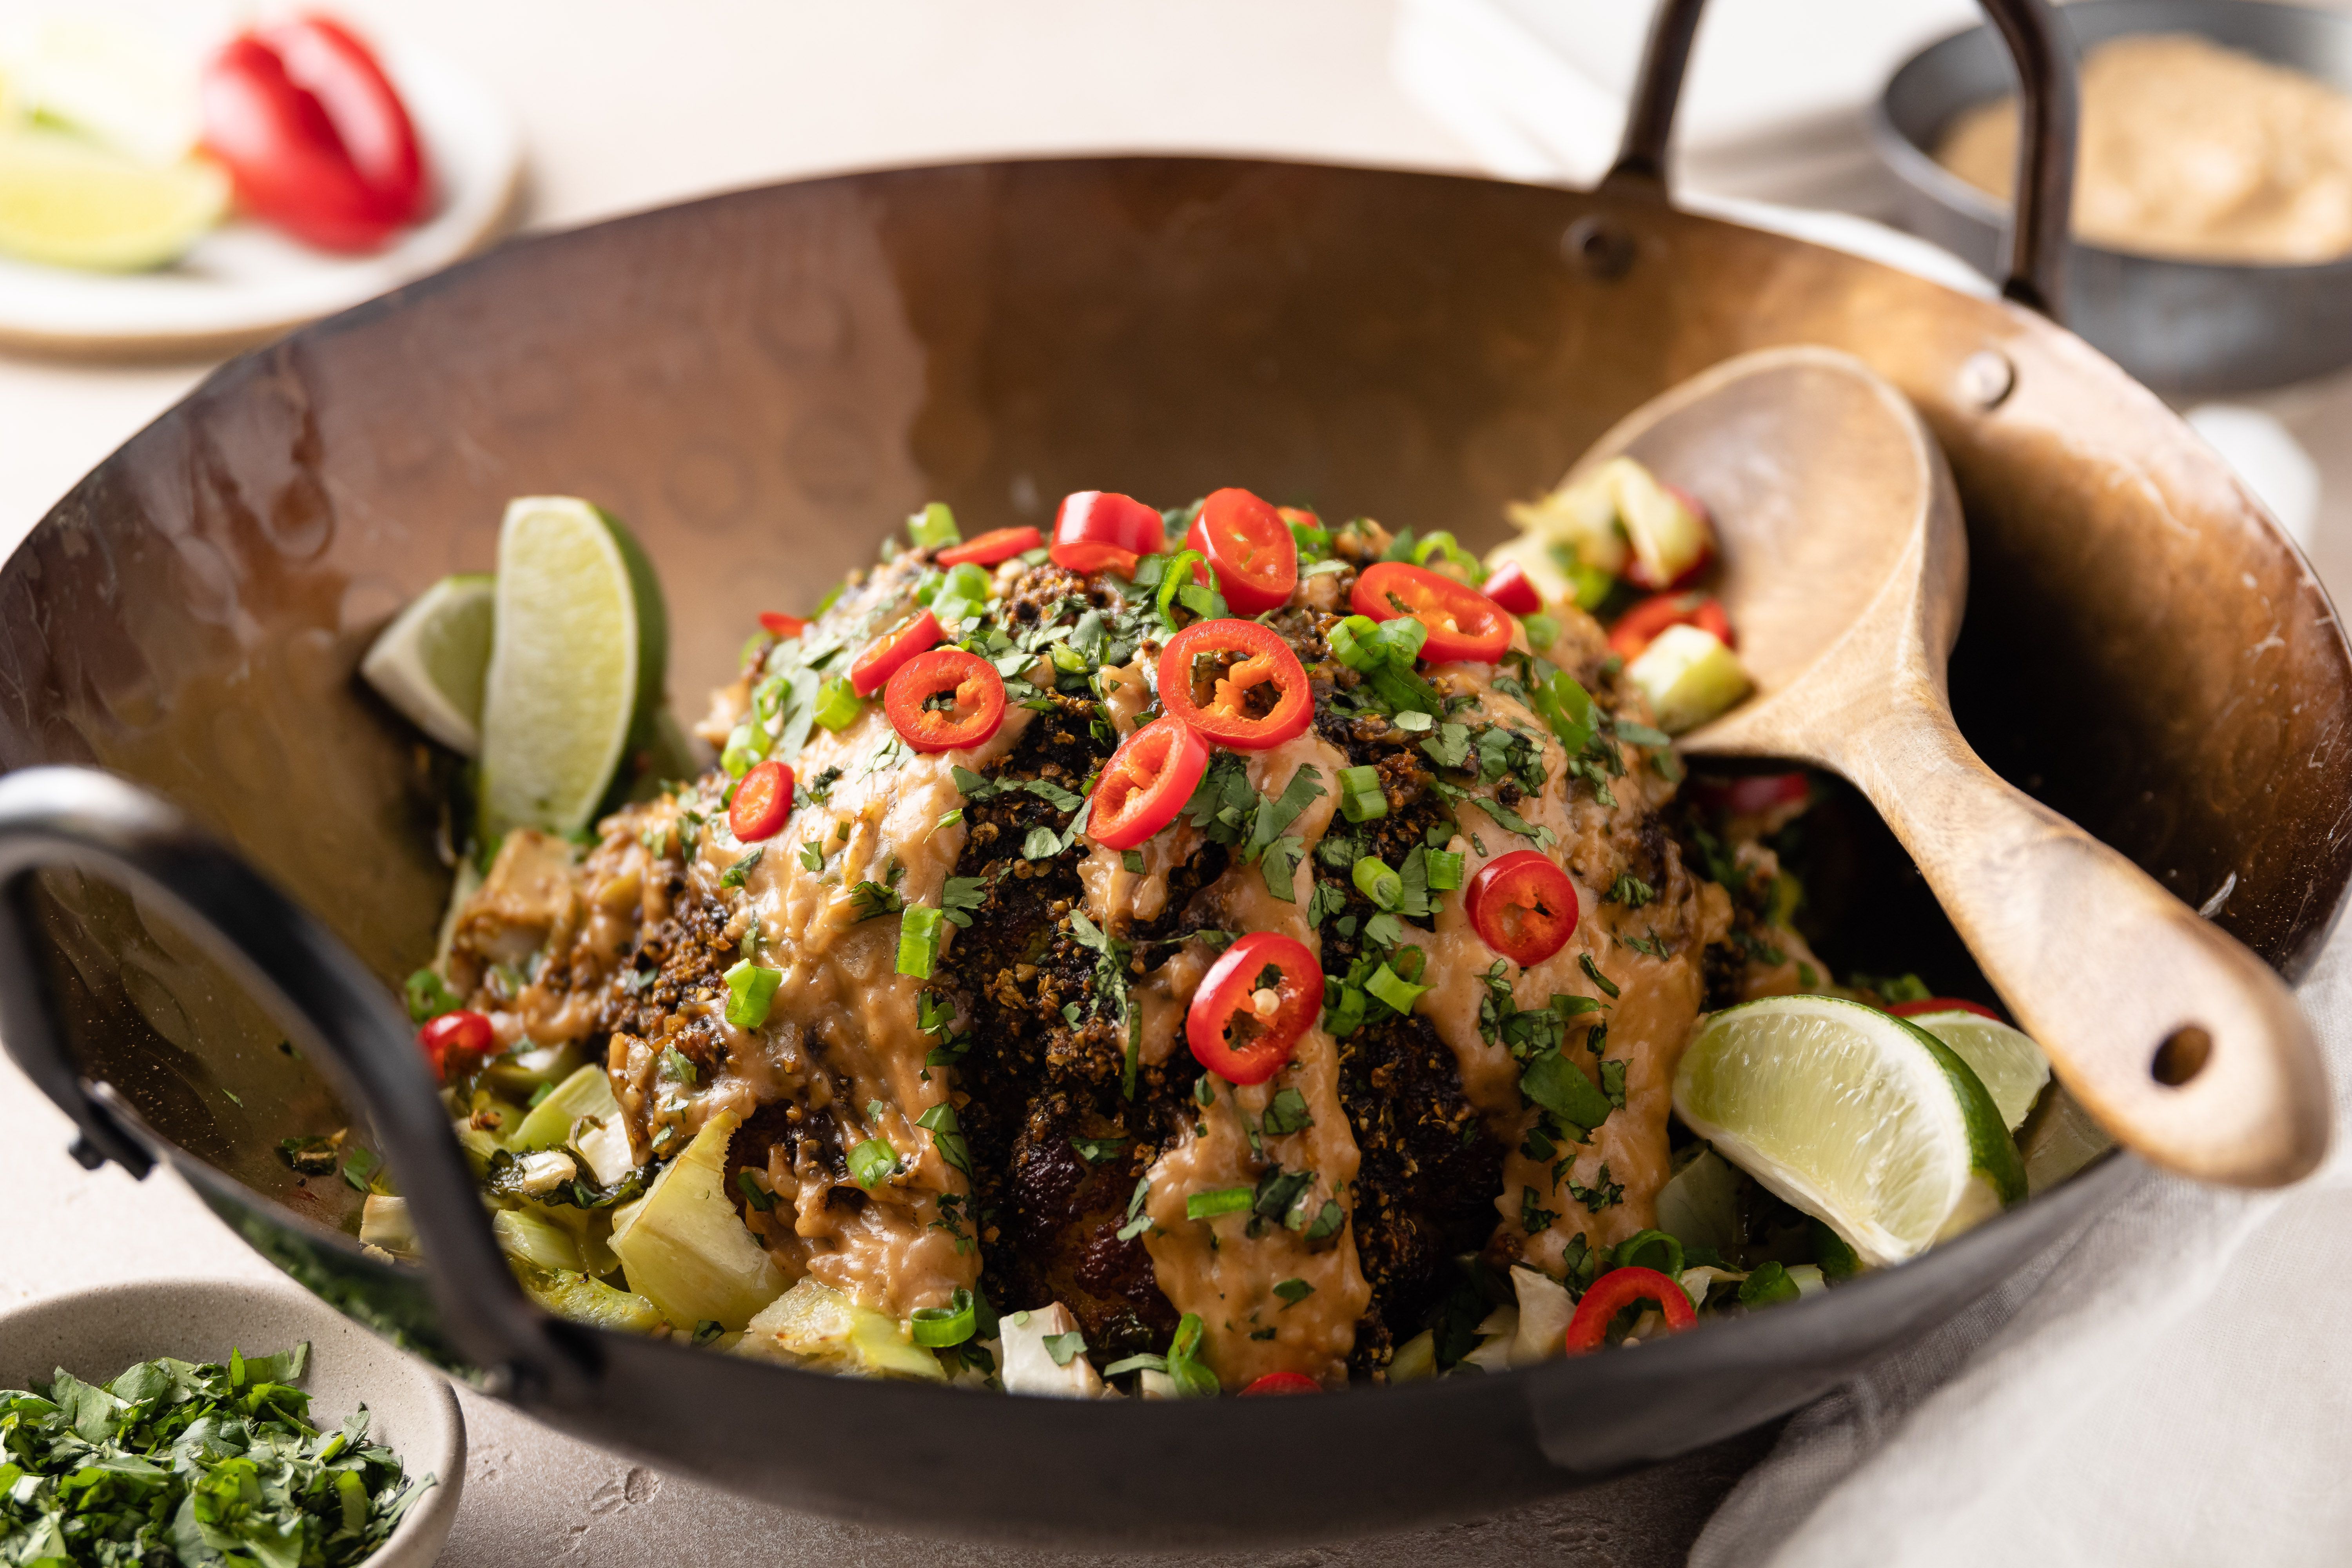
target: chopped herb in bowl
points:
(177, 1463)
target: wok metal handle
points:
(311, 984)
(2043, 52)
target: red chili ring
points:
(917, 633)
(990, 549)
(975, 695)
(1464, 623)
(1252, 548)
(1618, 1290)
(459, 1040)
(1225, 718)
(1146, 783)
(1944, 1004)
(1509, 587)
(1089, 556)
(1283, 1382)
(762, 802)
(781, 626)
(1228, 996)
(1523, 906)
(1102, 517)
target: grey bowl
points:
(95, 1334)
(2179, 326)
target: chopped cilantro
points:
(1292, 1291)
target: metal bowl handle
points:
(337, 1011)
(2043, 52)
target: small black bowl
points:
(2179, 326)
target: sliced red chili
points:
(1257, 695)
(762, 802)
(1523, 906)
(1254, 1005)
(455, 1043)
(1751, 794)
(1251, 546)
(1943, 1005)
(945, 698)
(781, 626)
(1146, 783)
(1089, 556)
(1101, 516)
(919, 632)
(1638, 627)
(1618, 1290)
(1509, 587)
(1283, 1382)
(1463, 622)
(998, 544)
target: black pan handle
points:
(2043, 52)
(311, 984)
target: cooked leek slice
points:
(819, 1325)
(684, 1247)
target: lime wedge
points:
(72, 203)
(1870, 1125)
(2005, 1061)
(576, 664)
(430, 662)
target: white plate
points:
(244, 282)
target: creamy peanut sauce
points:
(1213, 1267)
(2190, 150)
(1648, 1022)
(842, 1030)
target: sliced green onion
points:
(1445, 869)
(873, 1163)
(953, 610)
(1144, 1363)
(967, 581)
(1393, 989)
(1361, 796)
(936, 1328)
(928, 586)
(1542, 630)
(1344, 1016)
(837, 704)
(1414, 720)
(746, 745)
(1445, 542)
(749, 991)
(1227, 1200)
(1378, 882)
(832, 597)
(1636, 1252)
(1355, 643)
(1174, 577)
(1405, 638)
(918, 941)
(934, 527)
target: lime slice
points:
(576, 659)
(430, 662)
(1872, 1126)
(72, 203)
(2005, 1061)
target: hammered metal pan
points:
(754, 381)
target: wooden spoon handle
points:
(2183, 1044)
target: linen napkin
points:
(2173, 1384)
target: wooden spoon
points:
(1845, 568)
